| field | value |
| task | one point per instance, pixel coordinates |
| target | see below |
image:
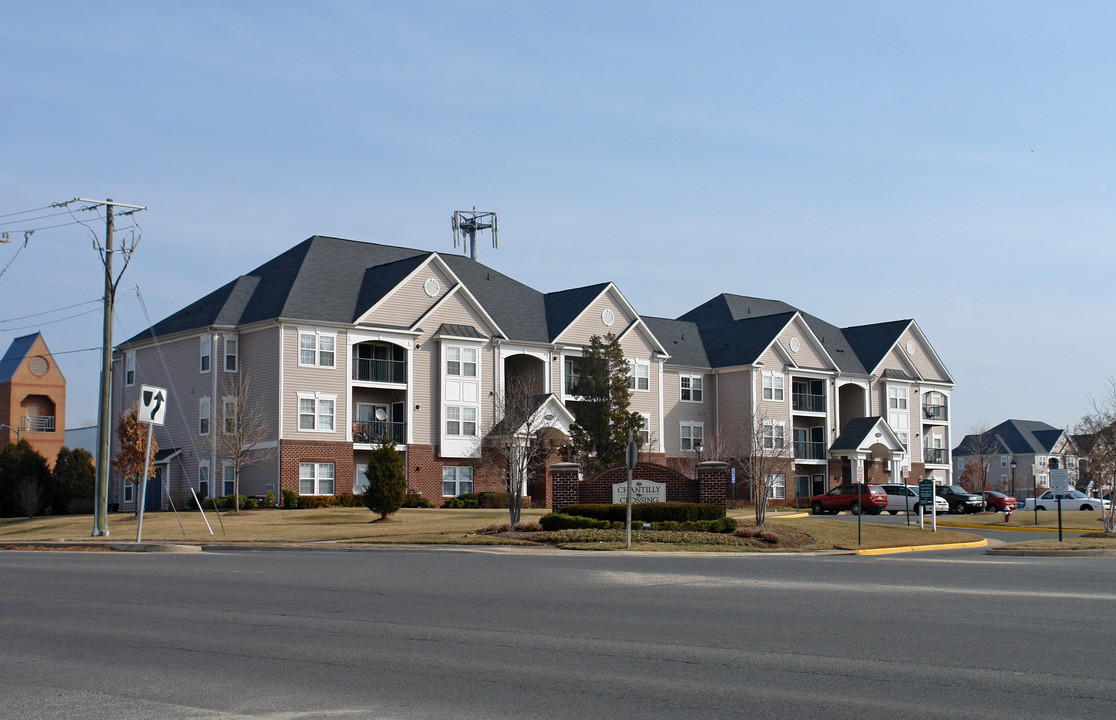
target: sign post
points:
(153, 411)
(926, 499)
(631, 455)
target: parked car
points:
(901, 498)
(998, 501)
(845, 497)
(960, 500)
(1072, 500)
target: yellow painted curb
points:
(920, 548)
(790, 517)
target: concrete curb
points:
(112, 546)
(922, 548)
(1009, 552)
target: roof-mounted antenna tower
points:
(466, 223)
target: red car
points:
(845, 497)
(998, 502)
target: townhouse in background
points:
(1035, 447)
(32, 397)
(347, 342)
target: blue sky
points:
(864, 161)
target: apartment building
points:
(1019, 455)
(348, 342)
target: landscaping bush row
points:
(562, 521)
(648, 512)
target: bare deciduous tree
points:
(981, 446)
(768, 454)
(243, 430)
(1097, 432)
(29, 497)
(522, 441)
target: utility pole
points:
(104, 423)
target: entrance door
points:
(154, 491)
(802, 487)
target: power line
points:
(26, 212)
(49, 322)
(47, 312)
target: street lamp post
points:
(1013, 477)
(16, 430)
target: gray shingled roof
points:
(17, 351)
(1019, 437)
(854, 433)
(872, 342)
(681, 339)
(563, 307)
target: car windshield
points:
(993, 493)
(958, 489)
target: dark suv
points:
(960, 500)
(844, 497)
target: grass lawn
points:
(430, 526)
(1077, 520)
(1074, 543)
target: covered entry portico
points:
(865, 441)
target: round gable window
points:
(910, 347)
(431, 287)
(607, 317)
(795, 344)
(38, 365)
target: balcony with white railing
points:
(36, 423)
(935, 412)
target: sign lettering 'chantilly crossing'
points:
(643, 491)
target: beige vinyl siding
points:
(675, 411)
(425, 394)
(406, 304)
(809, 355)
(260, 365)
(636, 347)
(922, 358)
(589, 323)
(458, 310)
(331, 381)
(734, 404)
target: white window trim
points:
(317, 334)
(772, 481)
(235, 355)
(205, 412)
(226, 401)
(457, 479)
(782, 389)
(682, 439)
(461, 420)
(128, 491)
(633, 378)
(446, 347)
(782, 436)
(691, 377)
(899, 393)
(645, 429)
(317, 397)
(227, 465)
(203, 466)
(129, 368)
(205, 352)
(317, 477)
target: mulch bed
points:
(746, 537)
(59, 548)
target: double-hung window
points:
(315, 478)
(129, 368)
(639, 375)
(230, 418)
(206, 353)
(774, 435)
(644, 433)
(203, 480)
(232, 346)
(693, 435)
(317, 349)
(773, 386)
(777, 486)
(316, 412)
(461, 420)
(691, 387)
(456, 480)
(461, 361)
(897, 416)
(228, 478)
(203, 415)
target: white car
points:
(1071, 500)
(901, 498)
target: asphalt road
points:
(428, 634)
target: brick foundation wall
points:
(712, 479)
(564, 479)
(292, 452)
(424, 473)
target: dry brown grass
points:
(842, 534)
(1074, 543)
(1077, 520)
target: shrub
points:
(269, 498)
(649, 512)
(720, 525)
(468, 500)
(528, 527)
(349, 500)
(316, 502)
(561, 521)
(227, 502)
(387, 480)
(290, 499)
(416, 500)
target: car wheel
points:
(1086, 507)
(914, 510)
(893, 512)
(817, 508)
(1041, 507)
(855, 509)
